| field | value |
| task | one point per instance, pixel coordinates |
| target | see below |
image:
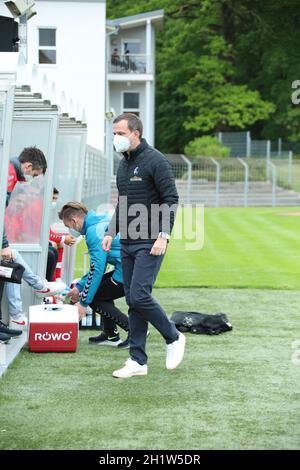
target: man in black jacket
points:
(144, 217)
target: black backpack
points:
(201, 323)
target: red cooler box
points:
(53, 328)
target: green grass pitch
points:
(246, 248)
(239, 390)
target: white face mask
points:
(54, 204)
(28, 178)
(121, 143)
(74, 232)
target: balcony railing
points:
(130, 63)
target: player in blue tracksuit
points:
(97, 289)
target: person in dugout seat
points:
(23, 220)
(97, 288)
(30, 163)
(57, 242)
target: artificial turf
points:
(246, 248)
(238, 390)
(243, 248)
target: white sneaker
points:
(18, 322)
(175, 352)
(50, 288)
(130, 369)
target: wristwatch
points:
(164, 235)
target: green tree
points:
(216, 103)
(268, 52)
(223, 65)
(206, 146)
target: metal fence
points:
(130, 63)
(240, 182)
(117, 159)
(266, 177)
(238, 142)
(242, 145)
(96, 184)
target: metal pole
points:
(5, 144)
(109, 116)
(23, 36)
(279, 146)
(189, 179)
(108, 65)
(148, 46)
(246, 185)
(218, 174)
(248, 148)
(147, 123)
(85, 257)
(109, 154)
(290, 168)
(268, 159)
(274, 179)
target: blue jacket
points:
(94, 227)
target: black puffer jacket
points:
(144, 177)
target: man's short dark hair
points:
(133, 121)
(55, 191)
(34, 156)
(73, 209)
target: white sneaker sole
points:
(107, 343)
(176, 364)
(127, 376)
(18, 326)
(16, 337)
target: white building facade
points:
(131, 67)
(71, 43)
(66, 40)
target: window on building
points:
(47, 46)
(134, 47)
(131, 102)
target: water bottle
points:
(98, 320)
(89, 319)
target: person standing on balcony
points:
(130, 65)
(146, 185)
(57, 241)
(115, 58)
(127, 60)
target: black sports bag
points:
(201, 323)
(10, 271)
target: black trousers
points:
(1, 293)
(103, 303)
(139, 271)
(51, 262)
